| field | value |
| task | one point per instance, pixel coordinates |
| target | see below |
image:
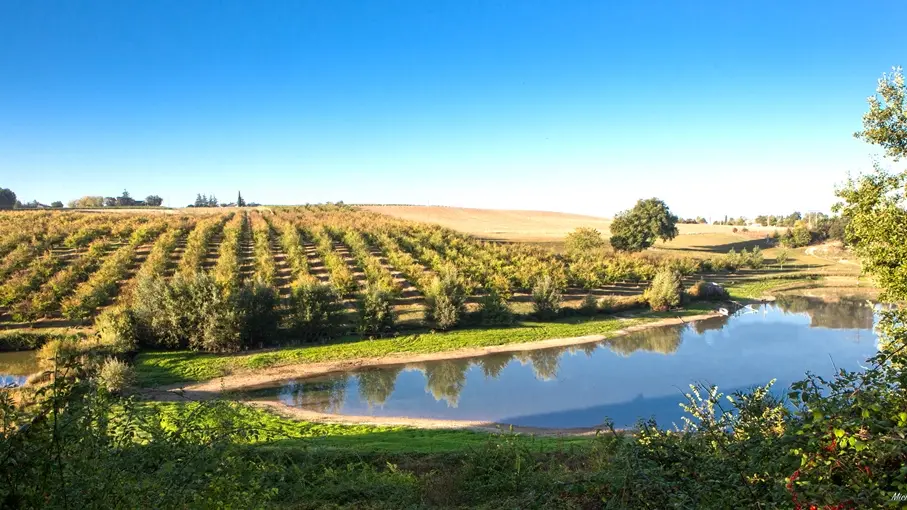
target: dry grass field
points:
(549, 227)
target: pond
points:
(15, 367)
(639, 375)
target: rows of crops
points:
(67, 266)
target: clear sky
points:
(717, 107)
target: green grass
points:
(162, 368)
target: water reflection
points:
(323, 395)
(446, 379)
(844, 313)
(637, 375)
(376, 385)
(664, 340)
(15, 367)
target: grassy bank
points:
(162, 368)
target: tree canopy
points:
(583, 240)
(7, 198)
(639, 227)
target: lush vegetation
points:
(834, 443)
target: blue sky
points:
(720, 107)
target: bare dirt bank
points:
(422, 423)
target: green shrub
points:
(258, 305)
(666, 290)
(376, 312)
(445, 300)
(707, 291)
(119, 329)
(23, 340)
(493, 309)
(546, 297)
(755, 260)
(589, 305)
(195, 312)
(315, 312)
(115, 375)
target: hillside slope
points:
(497, 224)
(546, 226)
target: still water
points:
(15, 367)
(636, 376)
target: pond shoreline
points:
(249, 379)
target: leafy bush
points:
(583, 241)
(445, 299)
(755, 259)
(493, 309)
(195, 312)
(315, 312)
(257, 302)
(376, 312)
(589, 306)
(105, 451)
(708, 291)
(546, 297)
(24, 340)
(119, 328)
(115, 375)
(666, 290)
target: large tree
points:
(876, 203)
(7, 198)
(639, 227)
(154, 200)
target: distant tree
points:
(239, 200)
(110, 201)
(7, 198)
(17, 205)
(201, 200)
(154, 200)
(583, 240)
(639, 228)
(212, 201)
(782, 257)
(56, 204)
(125, 199)
(87, 202)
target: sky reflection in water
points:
(635, 376)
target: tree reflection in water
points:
(322, 395)
(545, 362)
(446, 379)
(493, 364)
(665, 340)
(713, 324)
(376, 385)
(844, 313)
